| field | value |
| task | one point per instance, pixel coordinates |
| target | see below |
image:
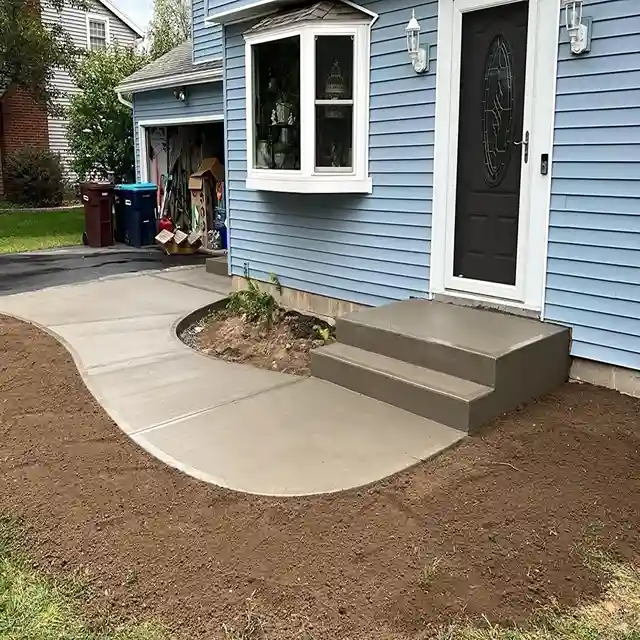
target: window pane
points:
(334, 67)
(97, 29)
(97, 34)
(334, 136)
(276, 104)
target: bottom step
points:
(218, 265)
(451, 401)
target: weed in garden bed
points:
(253, 328)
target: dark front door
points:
(490, 149)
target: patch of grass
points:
(248, 626)
(616, 616)
(30, 230)
(35, 606)
(429, 573)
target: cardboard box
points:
(178, 242)
(203, 197)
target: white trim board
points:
(180, 80)
(264, 8)
(123, 16)
(542, 52)
(165, 122)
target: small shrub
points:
(34, 177)
(253, 303)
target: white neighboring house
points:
(100, 25)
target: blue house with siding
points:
(479, 152)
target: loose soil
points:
(499, 522)
(284, 346)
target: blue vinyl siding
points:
(367, 249)
(593, 272)
(203, 100)
(207, 40)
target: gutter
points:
(195, 77)
(126, 103)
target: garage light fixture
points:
(180, 94)
(578, 28)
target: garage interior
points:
(174, 155)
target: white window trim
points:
(96, 17)
(308, 179)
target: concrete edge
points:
(170, 461)
(195, 316)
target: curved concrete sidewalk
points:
(229, 424)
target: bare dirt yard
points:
(492, 528)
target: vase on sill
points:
(263, 155)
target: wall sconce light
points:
(180, 94)
(419, 57)
(578, 28)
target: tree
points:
(100, 127)
(170, 26)
(29, 51)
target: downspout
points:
(126, 103)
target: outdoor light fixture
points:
(180, 94)
(418, 56)
(578, 28)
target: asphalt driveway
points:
(35, 270)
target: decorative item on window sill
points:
(419, 57)
(578, 28)
(334, 89)
(282, 114)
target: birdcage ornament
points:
(335, 89)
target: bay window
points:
(307, 108)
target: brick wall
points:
(23, 124)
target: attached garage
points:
(178, 125)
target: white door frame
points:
(535, 194)
(164, 122)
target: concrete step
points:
(487, 347)
(449, 400)
(218, 265)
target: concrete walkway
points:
(229, 424)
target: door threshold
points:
(512, 308)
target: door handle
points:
(525, 145)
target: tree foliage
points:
(29, 51)
(100, 127)
(170, 26)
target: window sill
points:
(316, 184)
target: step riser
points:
(532, 371)
(453, 412)
(217, 267)
(441, 357)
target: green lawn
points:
(29, 230)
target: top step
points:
(473, 344)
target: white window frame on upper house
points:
(308, 179)
(96, 17)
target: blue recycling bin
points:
(135, 213)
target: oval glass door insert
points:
(497, 116)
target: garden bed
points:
(283, 344)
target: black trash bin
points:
(135, 209)
(97, 198)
